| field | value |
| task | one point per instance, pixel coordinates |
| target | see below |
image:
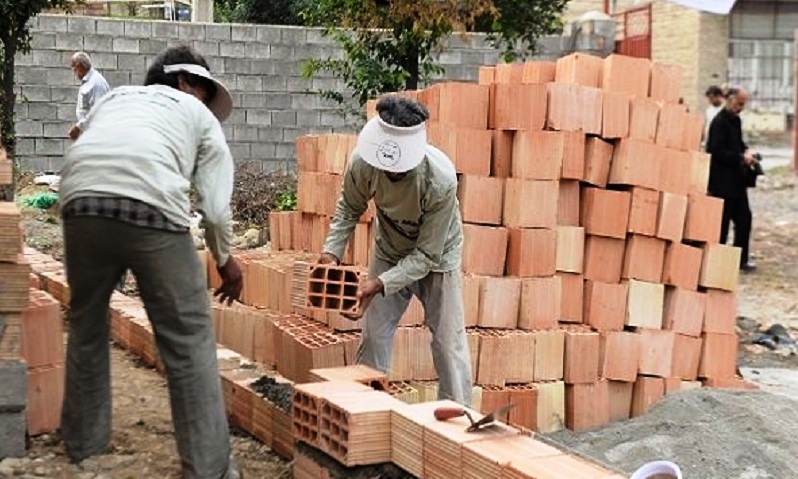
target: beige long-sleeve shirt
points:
(418, 218)
(150, 144)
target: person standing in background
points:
(93, 86)
(715, 99)
(730, 158)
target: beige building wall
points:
(695, 40)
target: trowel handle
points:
(444, 413)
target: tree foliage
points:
(15, 38)
(390, 45)
(270, 12)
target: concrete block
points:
(190, 31)
(138, 29)
(137, 78)
(64, 93)
(52, 23)
(112, 27)
(259, 50)
(283, 52)
(12, 434)
(258, 116)
(152, 46)
(269, 34)
(116, 79)
(238, 117)
(25, 60)
(60, 76)
(332, 118)
(277, 102)
(263, 151)
(131, 62)
(42, 40)
(82, 25)
(249, 83)
(271, 134)
(36, 163)
(285, 151)
(240, 151)
(104, 61)
(25, 146)
(68, 41)
(165, 30)
(50, 58)
(245, 133)
(265, 66)
(218, 32)
(315, 36)
(275, 83)
(284, 117)
(50, 146)
(294, 36)
(56, 129)
(35, 93)
(64, 111)
(304, 101)
(126, 45)
(308, 118)
(14, 378)
(98, 43)
(237, 65)
(31, 76)
(206, 48)
(233, 49)
(244, 33)
(29, 128)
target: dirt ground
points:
(711, 434)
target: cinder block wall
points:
(261, 65)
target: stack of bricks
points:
(593, 273)
(43, 351)
(14, 286)
(321, 162)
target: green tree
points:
(15, 38)
(390, 45)
(268, 12)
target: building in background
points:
(752, 46)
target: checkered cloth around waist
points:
(122, 209)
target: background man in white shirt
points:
(93, 86)
(716, 101)
(125, 205)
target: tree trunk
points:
(9, 99)
(411, 67)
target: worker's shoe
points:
(748, 267)
(233, 471)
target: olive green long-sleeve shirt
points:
(418, 218)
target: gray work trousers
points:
(441, 294)
(171, 281)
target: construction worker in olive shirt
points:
(418, 243)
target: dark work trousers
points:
(170, 278)
(738, 211)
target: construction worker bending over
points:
(419, 240)
(125, 205)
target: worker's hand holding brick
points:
(328, 258)
(232, 282)
(368, 290)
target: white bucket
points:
(650, 470)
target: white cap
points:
(222, 103)
(657, 467)
(392, 148)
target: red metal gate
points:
(633, 34)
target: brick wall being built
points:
(594, 282)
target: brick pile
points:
(14, 280)
(594, 281)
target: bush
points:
(258, 192)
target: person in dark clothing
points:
(730, 157)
